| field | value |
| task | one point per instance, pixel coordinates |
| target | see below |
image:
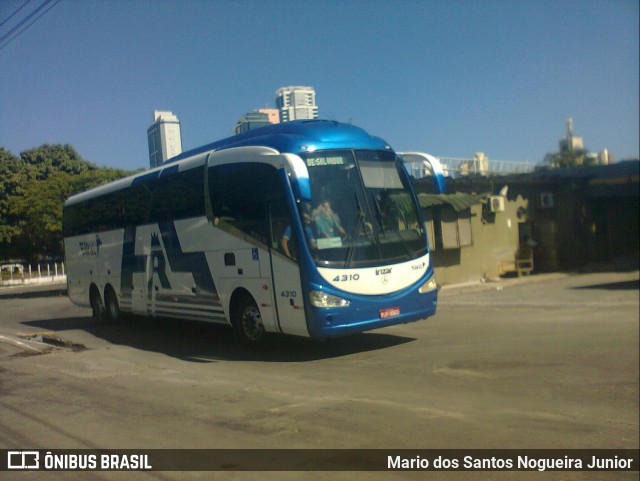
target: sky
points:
(447, 77)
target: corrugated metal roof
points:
(459, 201)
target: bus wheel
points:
(112, 305)
(97, 307)
(248, 321)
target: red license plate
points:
(389, 312)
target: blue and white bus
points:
(310, 228)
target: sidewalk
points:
(500, 283)
(26, 291)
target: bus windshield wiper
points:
(385, 231)
(354, 233)
(379, 214)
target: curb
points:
(480, 285)
(26, 346)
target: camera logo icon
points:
(23, 460)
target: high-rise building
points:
(251, 121)
(164, 138)
(273, 114)
(296, 103)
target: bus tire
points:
(112, 306)
(247, 321)
(97, 307)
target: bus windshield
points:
(362, 212)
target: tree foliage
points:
(13, 177)
(33, 188)
(50, 159)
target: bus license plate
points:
(389, 312)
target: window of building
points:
(447, 228)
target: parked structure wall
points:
(582, 216)
(493, 248)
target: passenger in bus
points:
(308, 232)
(327, 222)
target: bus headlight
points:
(428, 286)
(322, 299)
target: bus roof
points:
(290, 137)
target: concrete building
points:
(582, 215)
(251, 121)
(295, 103)
(164, 138)
(605, 157)
(472, 237)
(571, 141)
(272, 114)
(546, 221)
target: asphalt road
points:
(545, 362)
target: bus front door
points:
(285, 272)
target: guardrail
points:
(17, 274)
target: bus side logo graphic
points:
(164, 258)
(90, 248)
(158, 263)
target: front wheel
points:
(97, 307)
(247, 321)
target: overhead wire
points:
(11, 16)
(14, 31)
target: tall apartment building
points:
(164, 138)
(296, 103)
(251, 121)
(272, 114)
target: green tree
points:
(13, 176)
(40, 209)
(93, 178)
(39, 214)
(33, 189)
(48, 159)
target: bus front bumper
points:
(367, 314)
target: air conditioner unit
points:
(496, 203)
(546, 200)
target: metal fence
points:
(12, 274)
(460, 167)
(486, 166)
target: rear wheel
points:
(112, 306)
(247, 321)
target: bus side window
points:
(239, 195)
(282, 238)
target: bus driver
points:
(327, 222)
